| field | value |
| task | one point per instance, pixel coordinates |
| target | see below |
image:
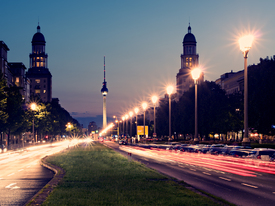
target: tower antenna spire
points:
(104, 68)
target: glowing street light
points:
(195, 75)
(144, 106)
(33, 107)
(123, 118)
(245, 43)
(116, 121)
(126, 118)
(154, 100)
(169, 90)
(136, 111)
(131, 114)
(69, 126)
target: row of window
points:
(188, 62)
(38, 91)
(38, 49)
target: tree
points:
(16, 123)
(261, 93)
(3, 103)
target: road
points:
(22, 176)
(239, 181)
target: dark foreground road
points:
(22, 176)
(237, 183)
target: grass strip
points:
(96, 175)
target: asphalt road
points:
(22, 176)
(237, 182)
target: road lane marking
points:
(206, 173)
(249, 185)
(12, 187)
(11, 174)
(223, 178)
(20, 170)
(192, 169)
(273, 192)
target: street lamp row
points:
(245, 43)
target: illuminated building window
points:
(37, 81)
(44, 91)
(37, 91)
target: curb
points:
(41, 195)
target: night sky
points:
(142, 42)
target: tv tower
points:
(104, 92)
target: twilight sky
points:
(142, 42)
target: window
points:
(44, 91)
(37, 81)
(37, 91)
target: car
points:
(226, 150)
(262, 154)
(239, 153)
(184, 148)
(122, 142)
(204, 149)
(3, 148)
(216, 148)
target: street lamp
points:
(154, 100)
(195, 75)
(136, 111)
(123, 118)
(69, 126)
(144, 106)
(245, 43)
(126, 118)
(131, 114)
(33, 108)
(169, 90)
(116, 121)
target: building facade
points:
(232, 82)
(14, 72)
(189, 61)
(19, 79)
(38, 73)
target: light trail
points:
(238, 166)
(249, 185)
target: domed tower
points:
(38, 73)
(189, 60)
(104, 92)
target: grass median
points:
(96, 175)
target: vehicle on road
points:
(122, 142)
(216, 149)
(239, 153)
(262, 154)
(3, 148)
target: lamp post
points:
(169, 90)
(136, 111)
(69, 126)
(123, 118)
(131, 114)
(144, 106)
(33, 108)
(195, 75)
(154, 100)
(116, 121)
(126, 118)
(245, 43)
